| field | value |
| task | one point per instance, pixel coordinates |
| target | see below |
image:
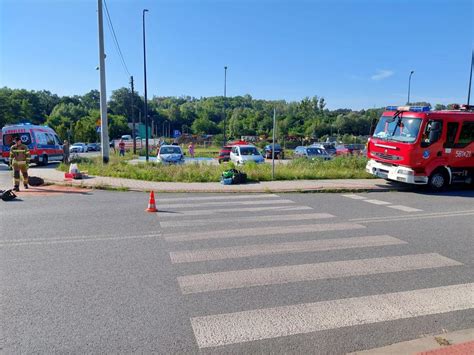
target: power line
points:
(117, 45)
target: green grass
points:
(339, 168)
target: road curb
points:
(242, 190)
(445, 343)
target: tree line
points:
(75, 117)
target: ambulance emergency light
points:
(409, 108)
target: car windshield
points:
(315, 151)
(170, 150)
(248, 151)
(401, 129)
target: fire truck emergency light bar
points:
(409, 108)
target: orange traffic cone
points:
(151, 203)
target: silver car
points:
(170, 154)
(311, 152)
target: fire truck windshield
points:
(400, 129)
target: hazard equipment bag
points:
(239, 178)
(35, 181)
(226, 181)
(236, 177)
(7, 195)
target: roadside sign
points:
(98, 129)
(176, 133)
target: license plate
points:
(381, 175)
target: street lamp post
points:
(409, 84)
(225, 95)
(145, 92)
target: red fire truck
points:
(415, 145)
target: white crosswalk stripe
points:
(231, 328)
(377, 202)
(223, 203)
(355, 197)
(189, 256)
(262, 231)
(227, 210)
(310, 272)
(270, 218)
(219, 197)
(404, 208)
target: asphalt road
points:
(92, 272)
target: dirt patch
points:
(52, 190)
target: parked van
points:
(241, 154)
(43, 142)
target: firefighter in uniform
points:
(19, 160)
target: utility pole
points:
(225, 95)
(470, 81)
(273, 145)
(146, 103)
(409, 84)
(104, 132)
(133, 118)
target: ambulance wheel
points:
(438, 180)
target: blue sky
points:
(356, 54)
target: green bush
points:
(350, 167)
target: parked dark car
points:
(279, 154)
(330, 148)
(93, 147)
(224, 154)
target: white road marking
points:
(258, 218)
(222, 203)
(414, 216)
(19, 242)
(261, 231)
(218, 197)
(355, 197)
(239, 327)
(383, 203)
(190, 256)
(377, 202)
(226, 210)
(310, 272)
(405, 208)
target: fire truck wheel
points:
(438, 180)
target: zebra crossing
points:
(197, 232)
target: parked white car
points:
(241, 154)
(78, 148)
(170, 154)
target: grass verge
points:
(338, 168)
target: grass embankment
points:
(339, 168)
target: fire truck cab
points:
(415, 145)
(43, 142)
